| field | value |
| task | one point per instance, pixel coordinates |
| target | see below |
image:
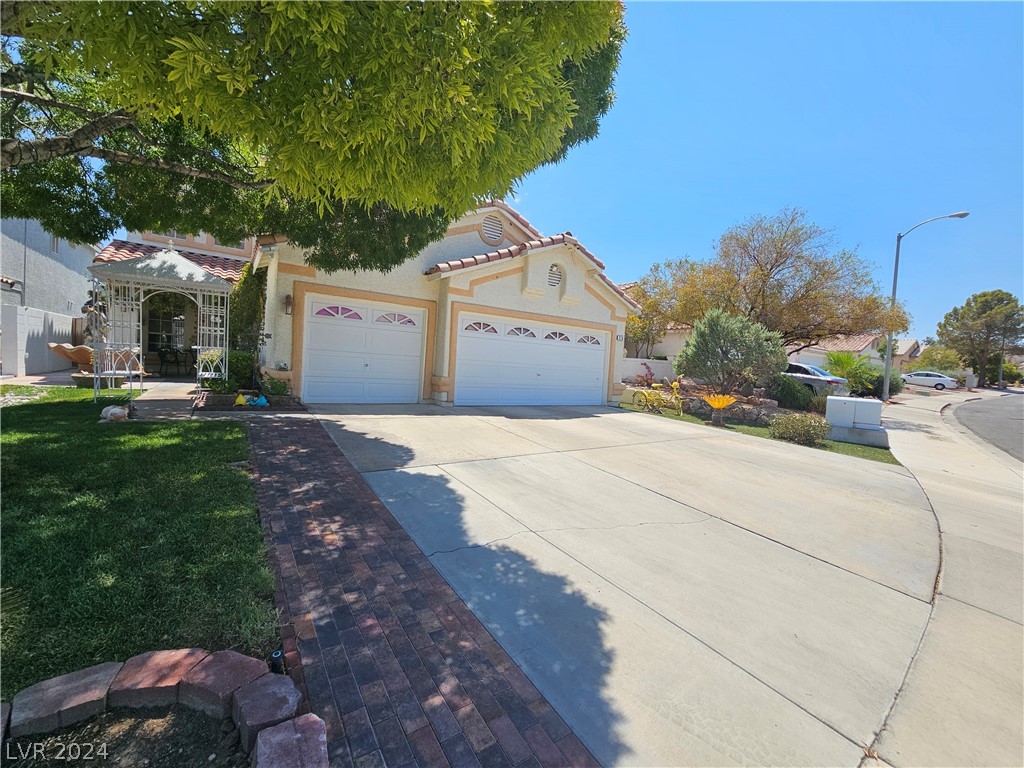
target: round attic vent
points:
(493, 228)
(554, 276)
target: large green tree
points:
(988, 323)
(361, 129)
(789, 275)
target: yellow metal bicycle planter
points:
(657, 400)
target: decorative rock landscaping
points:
(210, 684)
(62, 701)
(262, 705)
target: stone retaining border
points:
(264, 706)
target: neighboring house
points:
(864, 344)
(493, 314)
(44, 282)
(905, 352)
(670, 345)
(673, 342)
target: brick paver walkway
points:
(389, 656)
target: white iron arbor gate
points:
(130, 282)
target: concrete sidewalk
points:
(963, 700)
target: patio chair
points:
(169, 357)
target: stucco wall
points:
(672, 344)
(580, 299)
(52, 282)
(26, 333)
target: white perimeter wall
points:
(25, 334)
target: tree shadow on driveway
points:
(542, 620)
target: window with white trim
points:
(520, 331)
(481, 327)
(589, 340)
(557, 336)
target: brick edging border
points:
(264, 706)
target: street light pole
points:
(892, 303)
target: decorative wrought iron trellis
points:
(126, 295)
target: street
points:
(999, 421)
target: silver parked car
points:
(930, 379)
(820, 381)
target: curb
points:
(948, 416)
(262, 705)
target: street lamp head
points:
(960, 215)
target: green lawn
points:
(123, 538)
(847, 449)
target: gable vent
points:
(554, 276)
(493, 228)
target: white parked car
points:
(930, 379)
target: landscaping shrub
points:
(240, 373)
(1011, 373)
(819, 404)
(872, 386)
(801, 428)
(276, 387)
(646, 378)
(789, 392)
(659, 357)
(726, 351)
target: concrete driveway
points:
(682, 595)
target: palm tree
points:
(856, 369)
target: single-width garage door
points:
(513, 362)
(361, 352)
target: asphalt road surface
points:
(999, 421)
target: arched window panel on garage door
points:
(588, 339)
(479, 326)
(521, 331)
(395, 318)
(336, 310)
(557, 336)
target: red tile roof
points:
(518, 250)
(855, 343)
(223, 267)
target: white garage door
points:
(512, 362)
(361, 352)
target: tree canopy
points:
(362, 128)
(936, 358)
(988, 323)
(645, 328)
(787, 274)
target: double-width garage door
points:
(514, 362)
(361, 352)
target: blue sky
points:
(870, 116)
